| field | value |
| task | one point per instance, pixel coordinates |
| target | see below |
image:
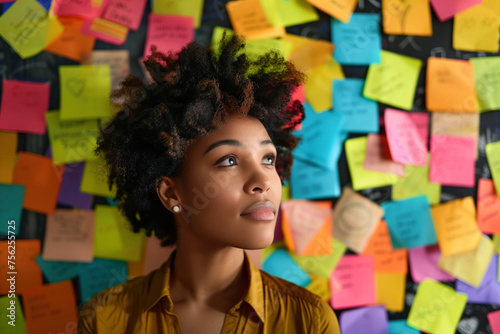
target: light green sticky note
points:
(486, 74)
(94, 179)
(71, 141)
(496, 243)
(289, 12)
(362, 178)
(493, 156)
(436, 308)
(13, 323)
(416, 182)
(114, 238)
(85, 91)
(394, 80)
(192, 8)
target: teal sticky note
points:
(410, 222)
(11, 207)
(361, 114)
(401, 327)
(57, 271)
(100, 275)
(357, 42)
(12, 316)
(319, 137)
(281, 265)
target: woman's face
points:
(224, 174)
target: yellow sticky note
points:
(94, 179)
(496, 242)
(416, 182)
(469, 266)
(362, 178)
(85, 91)
(339, 9)
(114, 238)
(8, 149)
(289, 13)
(192, 8)
(486, 72)
(319, 85)
(319, 286)
(285, 193)
(394, 80)
(436, 308)
(493, 156)
(391, 290)
(411, 17)
(456, 226)
(308, 53)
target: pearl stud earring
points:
(176, 208)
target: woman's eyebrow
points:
(234, 142)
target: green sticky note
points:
(192, 8)
(114, 238)
(394, 80)
(496, 243)
(289, 12)
(486, 74)
(493, 156)
(94, 179)
(416, 182)
(71, 141)
(362, 178)
(11, 207)
(436, 308)
(85, 91)
(13, 323)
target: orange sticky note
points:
(71, 43)
(455, 225)
(390, 289)
(387, 259)
(450, 85)
(249, 19)
(339, 9)
(51, 308)
(23, 269)
(411, 17)
(42, 180)
(308, 53)
(8, 148)
(488, 207)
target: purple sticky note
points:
(372, 319)
(423, 264)
(489, 290)
(70, 193)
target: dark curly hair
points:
(191, 94)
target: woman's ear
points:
(167, 193)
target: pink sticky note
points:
(73, 7)
(356, 276)
(446, 9)
(125, 12)
(494, 320)
(168, 33)
(453, 160)
(24, 105)
(423, 264)
(378, 157)
(155, 254)
(407, 136)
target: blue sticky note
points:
(57, 271)
(401, 327)
(100, 275)
(372, 319)
(357, 42)
(361, 114)
(11, 207)
(44, 3)
(320, 137)
(410, 222)
(281, 265)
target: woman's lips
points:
(260, 214)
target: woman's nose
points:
(259, 180)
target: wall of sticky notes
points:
(392, 213)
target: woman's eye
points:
(229, 161)
(270, 159)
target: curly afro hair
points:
(191, 94)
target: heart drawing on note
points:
(75, 86)
(468, 325)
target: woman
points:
(197, 158)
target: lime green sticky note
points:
(362, 178)
(394, 80)
(71, 141)
(493, 156)
(496, 243)
(192, 8)
(416, 182)
(14, 322)
(289, 12)
(94, 179)
(85, 91)
(114, 238)
(436, 308)
(486, 73)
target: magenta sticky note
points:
(363, 320)
(453, 160)
(128, 13)
(169, 33)
(446, 9)
(494, 320)
(81, 8)
(424, 264)
(24, 105)
(353, 282)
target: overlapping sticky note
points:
(11, 207)
(100, 274)
(192, 8)
(455, 226)
(488, 291)
(280, 264)
(69, 193)
(437, 308)
(289, 13)
(105, 30)
(407, 17)
(407, 136)
(493, 156)
(320, 286)
(118, 61)
(357, 42)
(23, 106)
(416, 182)
(488, 204)
(85, 91)
(308, 53)
(455, 124)
(129, 13)
(494, 320)
(341, 10)
(394, 80)
(168, 33)
(378, 157)
(401, 327)
(391, 289)
(424, 264)
(8, 149)
(446, 9)
(114, 238)
(77, 8)
(319, 85)
(450, 85)
(94, 180)
(373, 318)
(486, 70)
(57, 271)
(321, 266)
(14, 323)
(361, 114)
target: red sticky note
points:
(446, 9)
(24, 105)
(488, 204)
(128, 13)
(72, 7)
(42, 180)
(168, 33)
(494, 320)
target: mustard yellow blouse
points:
(143, 306)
